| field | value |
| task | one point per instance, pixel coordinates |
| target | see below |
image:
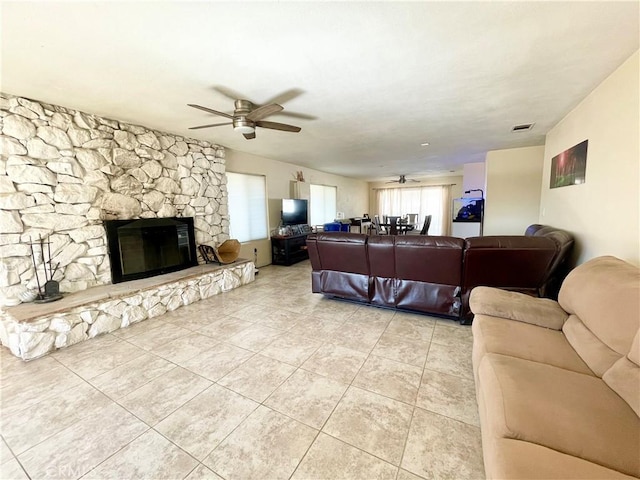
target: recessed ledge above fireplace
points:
(33, 330)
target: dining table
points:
(361, 222)
(396, 226)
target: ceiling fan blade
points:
(264, 111)
(302, 116)
(286, 96)
(249, 136)
(278, 126)
(215, 112)
(212, 125)
(231, 94)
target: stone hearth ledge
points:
(32, 330)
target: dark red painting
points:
(569, 167)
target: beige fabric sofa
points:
(558, 383)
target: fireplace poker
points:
(49, 248)
(35, 268)
(55, 270)
(44, 263)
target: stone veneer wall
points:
(62, 172)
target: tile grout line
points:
(14, 456)
(320, 430)
(406, 439)
(47, 398)
(117, 451)
(342, 397)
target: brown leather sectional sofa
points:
(433, 274)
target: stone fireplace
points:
(64, 172)
(150, 246)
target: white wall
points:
(352, 199)
(603, 213)
(473, 178)
(513, 179)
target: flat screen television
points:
(294, 211)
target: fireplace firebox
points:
(149, 246)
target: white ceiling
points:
(379, 78)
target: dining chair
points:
(426, 225)
(375, 225)
(412, 219)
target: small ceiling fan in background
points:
(247, 116)
(403, 179)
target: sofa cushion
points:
(382, 264)
(604, 294)
(507, 458)
(569, 412)
(382, 261)
(563, 239)
(428, 273)
(522, 340)
(624, 376)
(425, 297)
(343, 252)
(340, 264)
(510, 262)
(421, 273)
(354, 286)
(591, 349)
(517, 306)
(429, 259)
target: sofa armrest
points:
(542, 312)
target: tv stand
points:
(290, 249)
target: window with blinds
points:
(247, 196)
(322, 204)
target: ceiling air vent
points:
(523, 127)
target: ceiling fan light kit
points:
(247, 116)
(240, 128)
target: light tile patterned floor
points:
(268, 381)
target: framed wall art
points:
(569, 167)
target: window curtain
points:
(430, 200)
(446, 210)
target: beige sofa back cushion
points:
(624, 376)
(604, 294)
(596, 354)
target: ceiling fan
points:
(247, 116)
(403, 179)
